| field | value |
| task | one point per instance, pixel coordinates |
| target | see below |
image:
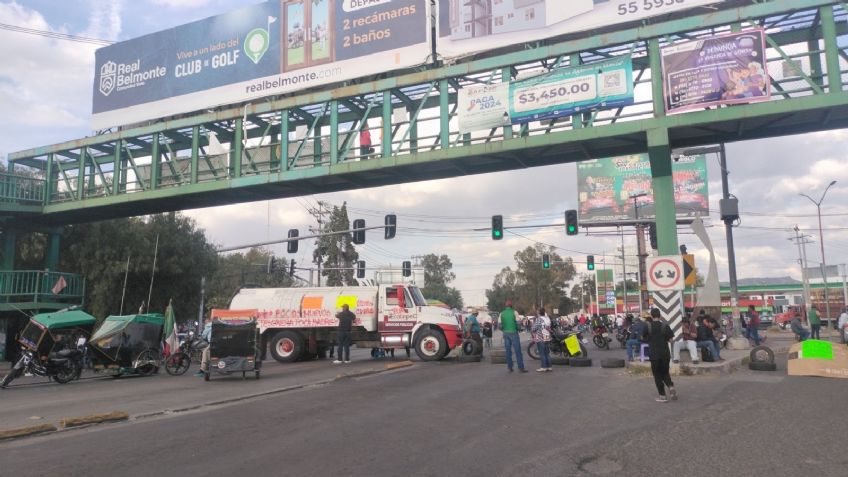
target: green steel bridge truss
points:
(307, 143)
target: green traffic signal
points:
(590, 262)
(546, 261)
(497, 227)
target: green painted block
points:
(816, 349)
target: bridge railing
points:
(417, 113)
(39, 286)
(21, 189)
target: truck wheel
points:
(431, 346)
(287, 346)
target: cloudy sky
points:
(45, 98)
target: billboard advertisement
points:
(275, 47)
(483, 107)
(467, 27)
(605, 187)
(566, 91)
(727, 69)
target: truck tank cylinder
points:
(396, 341)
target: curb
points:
(26, 431)
(113, 416)
(727, 367)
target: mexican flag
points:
(171, 341)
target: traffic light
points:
(571, 222)
(391, 226)
(407, 268)
(359, 235)
(360, 269)
(652, 233)
(546, 261)
(590, 262)
(272, 265)
(291, 246)
(497, 227)
(291, 268)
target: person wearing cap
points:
(510, 337)
(472, 328)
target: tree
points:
(99, 251)
(437, 276)
(336, 252)
(529, 285)
(583, 291)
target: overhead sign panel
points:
(606, 186)
(467, 27)
(275, 47)
(727, 69)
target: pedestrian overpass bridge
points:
(306, 143)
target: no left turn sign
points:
(665, 273)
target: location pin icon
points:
(256, 43)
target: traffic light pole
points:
(302, 237)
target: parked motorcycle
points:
(558, 345)
(601, 337)
(622, 335)
(61, 366)
(178, 363)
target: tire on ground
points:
(466, 358)
(471, 348)
(287, 346)
(760, 366)
(758, 352)
(580, 362)
(559, 360)
(612, 363)
(497, 359)
(497, 352)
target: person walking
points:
(658, 335)
(487, 334)
(542, 338)
(815, 323)
(753, 325)
(346, 319)
(512, 342)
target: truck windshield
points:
(418, 297)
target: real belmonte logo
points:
(122, 76)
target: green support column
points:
(195, 152)
(444, 114)
(48, 180)
(236, 149)
(334, 132)
(506, 77)
(576, 119)
(831, 49)
(155, 160)
(659, 153)
(656, 77)
(386, 145)
(413, 132)
(284, 139)
(317, 146)
(116, 172)
(10, 237)
(81, 173)
(51, 256)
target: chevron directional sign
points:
(670, 304)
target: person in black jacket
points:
(706, 338)
(346, 319)
(659, 334)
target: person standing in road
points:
(658, 335)
(510, 337)
(487, 334)
(842, 325)
(346, 319)
(753, 325)
(472, 328)
(542, 338)
(815, 323)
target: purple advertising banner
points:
(727, 69)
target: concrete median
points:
(26, 431)
(114, 416)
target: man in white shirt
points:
(842, 325)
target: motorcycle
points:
(622, 335)
(61, 366)
(178, 363)
(558, 345)
(600, 336)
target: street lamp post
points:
(640, 250)
(821, 242)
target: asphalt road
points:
(476, 419)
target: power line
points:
(55, 35)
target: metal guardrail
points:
(21, 189)
(38, 286)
